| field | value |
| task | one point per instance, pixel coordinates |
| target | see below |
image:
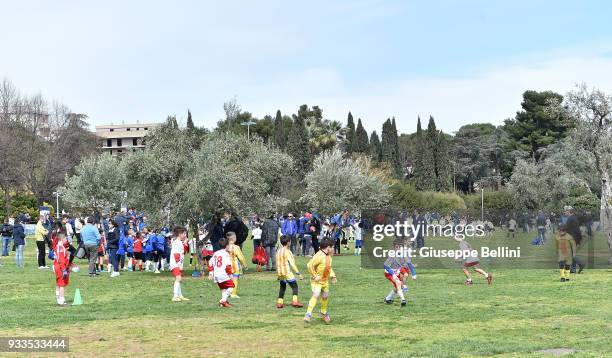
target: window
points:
(111, 152)
(128, 129)
(119, 142)
(112, 129)
(134, 141)
(146, 128)
(120, 151)
(137, 128)
(109, 143)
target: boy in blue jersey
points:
(130, 250)
(148, 239)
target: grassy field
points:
(523, 312)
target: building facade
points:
(118, 139)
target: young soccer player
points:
(207, 253)
(177, 256)
(358, 238)
(61, 266)
(101, 251)
(471, 260)
(566, 247)
(138, 252)
(320, 267)
(220, 271)
(286, 270)
(130, 250)
(397, 270)
(238, 261)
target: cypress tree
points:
(361, 138)
(350, 135)
(375, 148)
(298, 147)
(420, 180)
(279, 130)
(190, 125)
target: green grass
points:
(524, 311)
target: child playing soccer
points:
(238, 261)
(61, 266)
(177, 256)
(101, 252)
(138, 251)
(471, 260)
(566, 247)
(320, 267)
(286, 270)
(130, 251)
(397, 270)
(220, 271)
(358, 238)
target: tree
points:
(230, 172)
(361, 138)
(535, 127)
(389, 146)
(337, 183)
(592, 110)
(298, 142)
(349, 143)
(474, 153)
(280, 136)
(375, 148)
(190, 125)
(10, 161)
(98, 183)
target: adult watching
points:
(90, 237)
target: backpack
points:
(260, 257)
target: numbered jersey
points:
(221, 266)
(177, 255)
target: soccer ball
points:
(76, 269)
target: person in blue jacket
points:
(159, 250)
(121, 250)
(148, 239)
(289, 229)
(130, 249)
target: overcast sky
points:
(460, 61)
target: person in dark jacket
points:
(237, 226)
(19, 242)
(7, 235)
(217, 232)
(269, 240)
(112, 244)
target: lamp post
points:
(57, 211)
(248, 124)
(482, 204)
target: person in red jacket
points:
(138, 251)
(61, 266)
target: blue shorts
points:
(358, 244)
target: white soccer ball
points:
(76, 269)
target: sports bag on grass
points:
(260, 257)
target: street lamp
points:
(57, 211)
(248, 124)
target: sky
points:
(459, 61)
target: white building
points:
(124, 138)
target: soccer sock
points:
(311, 304)
(562, 273)
(180, 290)
(401, 295)
(567, 273)
(235, 290)
(390, 296)
(177, 287)
(294, 288)
(324, 304)
(281, 290)
(225, 294)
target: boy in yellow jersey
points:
(566, 248)
(285, 268)
(320, 267)
(237, 259)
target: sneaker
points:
(280, 305)
(562, 279)
(115, 274)
(326, 318)
(388, 301)
(490, 279)
(580, 268)
(468, 282)
(235, 296)
(404, 303)
(224, 304)
(156, 271)
(176, 299)
(41, 267)
(307, 317)
(297, 304)
(183, 298)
